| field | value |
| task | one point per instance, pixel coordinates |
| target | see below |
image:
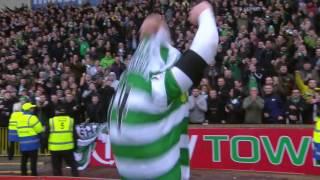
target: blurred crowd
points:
(266, 69)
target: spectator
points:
(258, 39)
(211, 74)
(113, 78)
(253, 106)
(286, 81)
(306, 72)
(91, 67)
(107, 61)
(233, 108)
(316, 73)
(94, 110)
(204, 90)
(72, 108)
(294, 107)
(212, 103)
(77, 68)
(268, 55)
(253, 75)
(229, 80)
(117, 67)
(106, 92)
(239, 89)
(309, 94)
(6, 105)
(223, 94)
(234, 64)
(43, 110)
(273, 111)
(316, 59)
(273, 81)
(198, 107)
(88, 92)
(54, 102)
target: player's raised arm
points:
(151, 25)
(189, 69)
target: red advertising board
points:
(102, 155)
(287, 150)
(46, 178)
(257, 149)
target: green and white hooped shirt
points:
(148, 126)
(149, 113)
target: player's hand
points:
(151, 25)
(197, 10)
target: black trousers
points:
(56, 159)
(10, 149)
(33, 155)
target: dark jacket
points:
(43, 113)
(234, 110)
(118, 69)
(5, 112)
(95, 113)
(212, 113)
(274, 107)
(294, 108)
(72, 110)
(265, 61)
(106, 94)
(52, 107)
(223, 96)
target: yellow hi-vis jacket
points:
(61, 133)
(316, 132)
(29, 127)
(14, 118)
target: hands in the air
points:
(153, 22)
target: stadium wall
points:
(260, 148)
(14, 4)
(43, 3)
(46, 178)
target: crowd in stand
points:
(266, 70)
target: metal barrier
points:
(3, 140)
(4, 144)
(4, 133)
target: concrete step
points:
(13, 166)
(12, 172)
